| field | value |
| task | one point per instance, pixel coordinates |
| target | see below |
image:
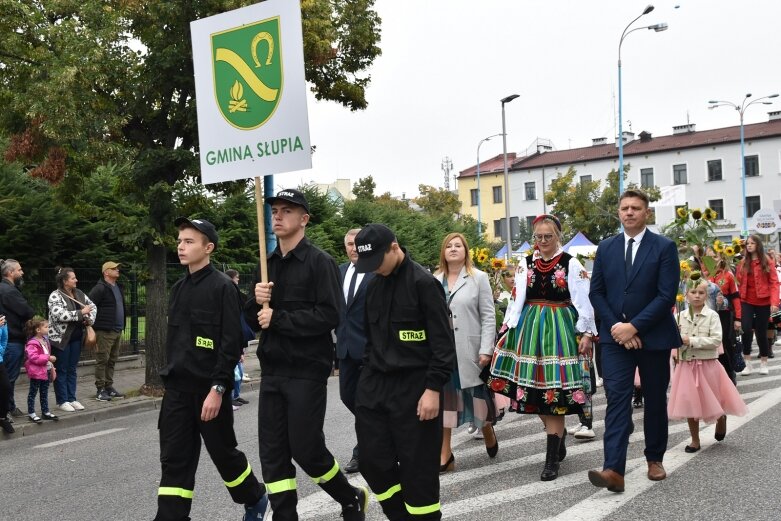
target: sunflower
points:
(697, 214)
(729, 251)
(682, 212)
(737, 248)
(685, 266)
(694, 276)
(679, 297)
(718, 246)
(737, 240)
(482, 257)
(498, 264)
(708, 215)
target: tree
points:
(364, 188)
(87, 83)
(438, 201)
(587, 206)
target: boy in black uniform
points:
(203, 346)
(295, 353)
(410, 353)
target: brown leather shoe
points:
(607, 478)
(656, 471)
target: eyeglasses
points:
(543, 237)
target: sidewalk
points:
(129, 376)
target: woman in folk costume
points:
(541, 361)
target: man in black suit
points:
(633, 289)
(350, 334)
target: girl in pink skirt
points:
(701, 388)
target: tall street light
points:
(741, 110)
(504, 101)
(479, 218)
(656, 27)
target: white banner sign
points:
(765, 221)
(251, 92)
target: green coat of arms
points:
(248, 73)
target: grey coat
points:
(474, 323)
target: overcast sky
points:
(445, 65)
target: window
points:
(752, 205)
(498, 228)
(717, 205)
(497, 194)
(647, 177)
(474, 196)
(585, 179)
(714, 170)
(679, 175)
(531, 191)
(752, 166)
(515, 228)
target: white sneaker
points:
(574, 429)
(599, 382)
(584, 433)
(235, 407)
(478, 434)
(77, 406)
(245, 378)
(67, 407)
(471, 428)
(747, 371)
(763, 368)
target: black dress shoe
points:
(449, 465)
(352, 466)
(242, 400)
(492, 451)
(691, 449)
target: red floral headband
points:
(547, 216)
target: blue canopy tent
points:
(523, 248)
(580, 245)
(502, 252)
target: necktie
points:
(351, 289)
(628, 261)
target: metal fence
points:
(39, 284)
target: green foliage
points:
(438, 201)
(364, 188)
(588, 206)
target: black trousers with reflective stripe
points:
(291, 412)
(181, 430)
(396, 447)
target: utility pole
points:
(447, 166)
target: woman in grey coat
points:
(470, 300)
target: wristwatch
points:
(219, 388)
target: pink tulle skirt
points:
(701, 389)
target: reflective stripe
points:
(283, 485)
(328, 475)
(240, 479)
(175, 491)
(419, 511)
(388, 493)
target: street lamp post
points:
(508, 99)
(658, 28)
(741, 110)
(479, 215)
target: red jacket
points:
(765, 284)
(725, 280)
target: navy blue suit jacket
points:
(350, 333)
(644, 297)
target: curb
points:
(25, 428)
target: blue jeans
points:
(67, 360)
(237, 383)
(14, 354)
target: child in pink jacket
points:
(38, 366)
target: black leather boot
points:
(562, 447)
(551, 470)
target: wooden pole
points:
(261, 234)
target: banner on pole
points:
(251, 92)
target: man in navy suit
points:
(633, 289)
(350, 334)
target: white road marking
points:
(603, 503)
(78, 438)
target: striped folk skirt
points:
(537, 364)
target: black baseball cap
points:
(290, 195)
(371, 243)
(202, 225)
